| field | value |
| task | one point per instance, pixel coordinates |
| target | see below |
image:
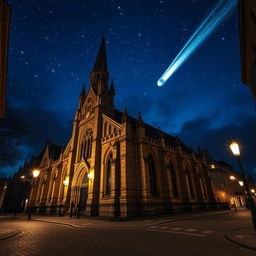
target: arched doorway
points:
(83, 193)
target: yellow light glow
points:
(252, 190)
(66, 181)
(235, 148)
(36, 173)
(241, 183)
(232, 177)
(90, 176)
(23, 177)
(212, 166)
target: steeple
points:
(101, 60)
(112, 88)
(82, 94)
(99, 75)
(81, 97)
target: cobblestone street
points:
(194, 236)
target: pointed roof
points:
(82, 94)
(101, 60)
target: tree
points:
(11, 133)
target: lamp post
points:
(234, 146)
(35, 173)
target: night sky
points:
(53, 46)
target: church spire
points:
(101, 60)
(99, 75)
(82, 93)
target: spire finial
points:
(82, 94)
(101, 60)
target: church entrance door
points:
(83, 198)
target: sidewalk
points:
(245, 237)
(96, 223)
(7, 233)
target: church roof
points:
(101, 60)
(153, 132)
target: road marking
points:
(84, 224)
(208, 232)
(176, 232)
(163, 227)
(191, 229)
(153, 226)
(176, 228)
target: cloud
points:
(198, 132)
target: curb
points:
(14, 233)
(126, 227)
(240, 244)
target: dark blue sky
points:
(53, 45)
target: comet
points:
(209, 24)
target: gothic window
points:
(54, 184)
(86, 145)
(114, 129)
(109, 129)
(108, 176)
(173, 180)
(152, 176)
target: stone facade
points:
(118, 166)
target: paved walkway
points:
(7, 233)
(245, 237)
(96, 223)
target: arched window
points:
(152, 176)
(173, 180)
(42, 188)
(108, 176)
(86, 145)
(55, 176)
(109, 129)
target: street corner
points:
(245, 237)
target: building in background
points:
(21, 184)
(228, 184)
(3, 189)
(247, 12)
(5, 12)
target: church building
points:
(115, 165)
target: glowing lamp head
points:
(36, 173)
(66, 181)
(90, 176)
(235, 148)
(22, 177)
(232, 177)
(241, 183)
(212, 166)
(252, 190)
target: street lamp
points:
(241, 183)
(36, 173)
(232, 177)
(234, 146)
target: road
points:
(197, 236)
